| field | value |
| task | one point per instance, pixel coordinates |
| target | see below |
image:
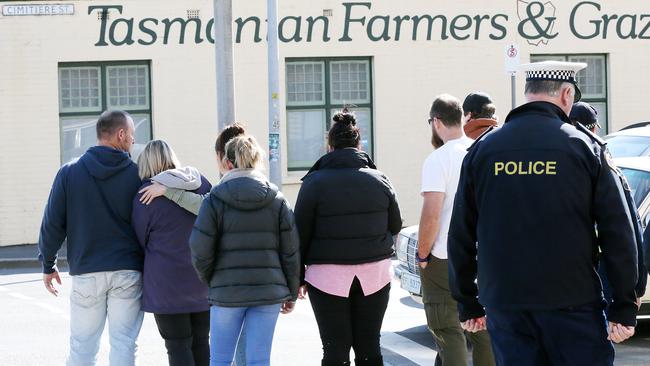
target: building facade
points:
(63, 62)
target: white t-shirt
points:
(440, 173)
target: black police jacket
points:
(638, 236)
(530, 194)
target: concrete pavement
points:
(34, 330)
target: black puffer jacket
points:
(245, 244)
(346, 211)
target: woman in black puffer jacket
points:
(347, 215)
(245, 247)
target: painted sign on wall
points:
(38, 9)
(535, 22)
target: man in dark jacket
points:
(530, 194)
(90, 206)
(586, 115)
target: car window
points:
(639, 181)
(628, 146)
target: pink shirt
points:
(336, 279)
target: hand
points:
(49, 286)
(287, 307)
(618, 333)
(302, 292)
(474, 325)
(424, 264)
(638, 303)
(152, 191)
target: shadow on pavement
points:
(408, 301)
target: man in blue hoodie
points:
(90, 205)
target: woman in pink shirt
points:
(347, 215)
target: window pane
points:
(622, 146)
(142, 124)
(305, 137)
(639, 182)
(77, 135)
(305, 82)
(350, 82)
(539, 58)
(365, 126)
(592, 80)
(79, 89)
(126, 90)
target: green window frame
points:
(592, 81)
(315, 89)
(86, 89)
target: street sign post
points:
(275, 156)
(512, 62)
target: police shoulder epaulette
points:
(481, 137)
(591, 135)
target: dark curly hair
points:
(228, 133)
(344, 131)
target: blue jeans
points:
(96, 296)
(226, 325)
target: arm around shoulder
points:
(190, 201)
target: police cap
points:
(555, 71)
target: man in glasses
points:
(440, 174)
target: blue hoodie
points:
(90, 205)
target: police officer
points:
(586, 115)
(529, 196)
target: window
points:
(592, 82)
(639, 182)
(316, 89)
(88, 89)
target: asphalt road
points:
(34, 330)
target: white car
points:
(637, 172)
(631, 141)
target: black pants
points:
(186, 337)
(350, 322)
(575, 336)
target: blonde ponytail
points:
(244, 152)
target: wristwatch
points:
(422, 260)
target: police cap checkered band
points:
(555, 71)
(559, 75)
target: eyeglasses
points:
(430, 120)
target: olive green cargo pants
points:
(442, 320)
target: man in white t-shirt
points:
(440, 175)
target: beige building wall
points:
(406, 74)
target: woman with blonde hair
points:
(171, 289)
(245, 247)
